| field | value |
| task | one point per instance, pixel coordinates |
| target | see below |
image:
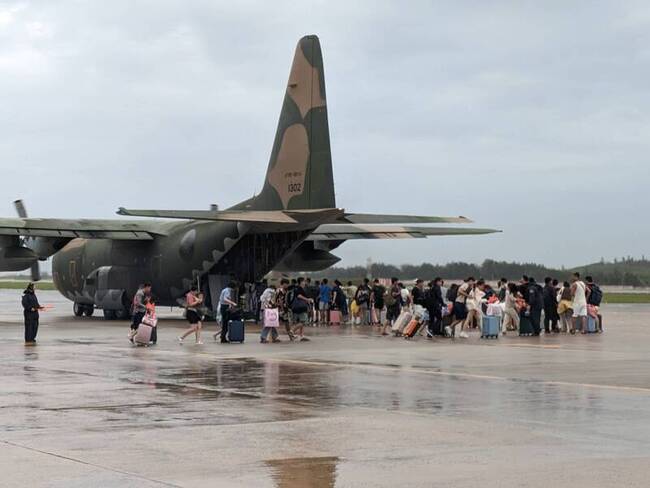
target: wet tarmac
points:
(348, 409)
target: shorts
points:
(579, 310)
(460, 311)
(323, 306)
(393, 312)
(301, 318)
(379, 305)
(193, 317)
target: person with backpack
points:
(392, 300)
(434, 303)
(595, 298)
(31, 307)
(299, 304)
(362, 297)
(551, 316)
(535, 300)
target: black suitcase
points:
(525, 325)
(236, 331)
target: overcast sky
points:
(530, 117)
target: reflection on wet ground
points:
(316, 472)
(347, 409)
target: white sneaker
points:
(180, 340)
(464, 335)
(200, 343)
(448, 331)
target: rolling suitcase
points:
(490, 327)
(236, 331)
(591, 325)
(335, 317)
(525, 325)
(402, 321)
(412, 328)
(143, 335)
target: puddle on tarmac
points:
(312, 472)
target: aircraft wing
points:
(88, 229)
(344, 232)
(251, 216)
(362, 218)
(292, 216)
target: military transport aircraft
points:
(292, 225)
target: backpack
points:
(535, 296)
(389, 299)
(291, 297)
(596, 296)
(363, 296)
(452, 294)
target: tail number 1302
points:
(295, 187)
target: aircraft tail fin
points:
(299, 174)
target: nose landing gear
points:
(80, 309)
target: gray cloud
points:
(532, 117)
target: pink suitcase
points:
(335, 317)
(402, 321)
(143, 335)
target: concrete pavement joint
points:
(86, 463)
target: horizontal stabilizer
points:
(343, 232)
(361, 218)
(251, 216)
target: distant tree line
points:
(625, 273)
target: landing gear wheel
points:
(109, 314)
(89, 310)
(78, 309)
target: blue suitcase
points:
(236, 331)
(591, 325)
(490, 327)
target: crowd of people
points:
(292, 305)
(442, 311)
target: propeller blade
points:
(36, 271)
(20, 209)
(22, 213)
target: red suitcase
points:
(412, 328)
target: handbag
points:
(271, 317)
(150, 320)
